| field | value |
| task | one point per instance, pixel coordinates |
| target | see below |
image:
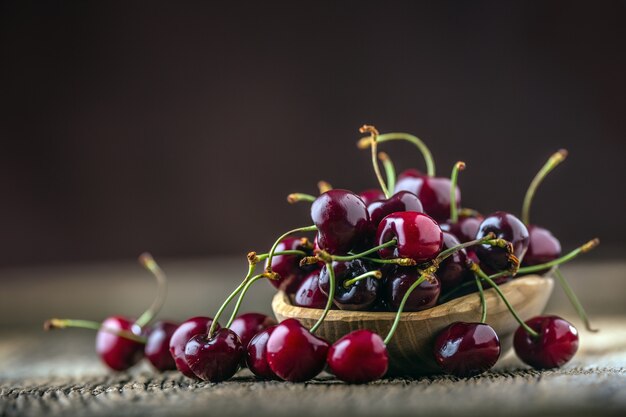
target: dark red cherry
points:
(288, 266)
(397, 284)
(433, 192)
(157, 349)
(249, 324)
(358, 357)
(358, 296)
(467, 349)
(465, 228)
(117, 352)
(542, 247)
(189, 328)
(256, 355)
(309, 294)
(556, 345)
(294, 354)
(401, 201)
(419, 236)
(505, 226)
(217, 358)
(342, 221)
(371, 195)
(453, 270)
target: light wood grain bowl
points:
(410, 351)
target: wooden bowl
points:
(410, 350)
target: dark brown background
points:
(179, 127)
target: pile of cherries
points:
(406, 247)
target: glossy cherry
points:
(309, 294)
(397, 284)
(467, 349)
(288, 266)
(117, 352)
(342, 221)
(248, 324)
(157, 348)
(505, 226)
(358, 296)
(371, 195)
(542, 247)
(358, 357)
(418, 235)
(433, 192)
(188, 329)
(401, 201)
(294, 354)
(256, 355)
(217, 358)
(453, 270)
(466, 227)
(556, 344)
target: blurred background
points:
(180, 127)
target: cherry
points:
(157, 345)
(466, 227)
(188, 329)
(453, 270)
(556, 344)
(433, 192)
(249, 324)
(294, 354)
(342, 221)
(505, 226)
(397, 283)
(309, 294)
(357, 296)
(543, 247)
(214, 359)
(467, 349)
(371, 195)
(401, 201)
(117, 352)
(256, 355)
(288, 266)
(358, 357)
(418, 236)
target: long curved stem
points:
(347, 258)
(251, 268)
(376, 274)
(454, 178)
(552, 162)
(483, 302)
(571, 295)
(331, 297)
(390, 171)
(297, 197)
(489, 238)
(284, 235)
(428, 157)
(91, 325)
(373, 147)
(148, 262)
(241, 297)
(396, 321)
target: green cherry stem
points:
(394, 261)
(481, 274)
(364, 143)
(488, 240)
(454, 178)
(324, 186)
(571, 295)
(251, 268)
(325, 256)
(373, 146)
(396, 320)
(92, 325)
(284, 235)
(244, 290)
(148, 262)
(552, 162)
(349, 282)
(297, 197)
(483, 302)
(331, 297)
(390, 170)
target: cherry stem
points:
(251, 268)
(454, 177)
(483, 302)
(373, 146)
(390, 171)
(331, 296)
(550, 164)
(488, 239)
(396, 321)
(325, 256)
(324, 186)
(148, 262)
(571, 295)
(297, 197)
(242, 296)
(468, 212)
(480, 273)
(364, 143)
(349, 282)
(92, 325)
(284, 235)
(394, 261)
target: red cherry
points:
(256, 355)
(157, 349)
(542, 247)
(288, 266)
(117, 352)
(400, 201)
(505, 226)
(214, 359)
(453, 270)
(556, 344)
(189, 328)
(397, 283)
(309, 294)
(371, 195)
(465, 228)
(294, 354)
(433, 192)
(419, 236)
(249, 324)
(358, 357)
